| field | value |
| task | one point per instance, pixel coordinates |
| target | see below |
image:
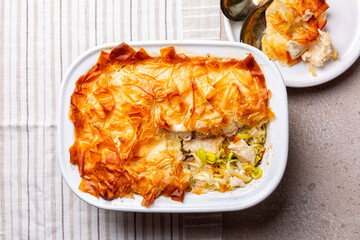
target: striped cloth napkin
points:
(38, 41)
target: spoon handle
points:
(254, 26)
(238, 10)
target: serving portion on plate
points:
(341, 33)
(171, 126)
(294, 32)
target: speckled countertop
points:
(318, 198)
(319, 195)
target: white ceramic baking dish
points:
(273, 164)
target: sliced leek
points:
(202, 155)
(210, 157)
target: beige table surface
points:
(319, 195)
(318, 198)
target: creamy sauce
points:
(321, 51)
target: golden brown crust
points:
(127, 108)
(317, 7)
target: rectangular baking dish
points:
(273, 164)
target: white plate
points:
(343, 27)
(256, 191)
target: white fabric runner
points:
(38, 41)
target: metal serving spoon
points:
(254, 26)
(238, 10)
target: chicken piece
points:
(295, 49)
(320, 51)
(208, 144)
(199, 184)
(184, 135)
(235, 182)
(244, 152)
(231, 129)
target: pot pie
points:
(168, 124)
(294, 32)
